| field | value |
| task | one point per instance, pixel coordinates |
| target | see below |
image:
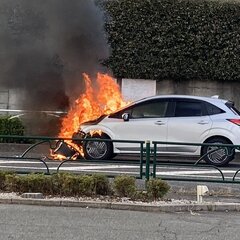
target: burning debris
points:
(64, 151)
(104, 99)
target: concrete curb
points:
(166, 207)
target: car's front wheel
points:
(98, 150)
(215, 155)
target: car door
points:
(147, 121)
(190, 123)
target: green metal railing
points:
(53, 142)
(148, 161)
(196, 163)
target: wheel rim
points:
(96, 150)
(217, 155)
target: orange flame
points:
(94, 102)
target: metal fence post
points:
(154, 160)
(141, 161)
(147, 159)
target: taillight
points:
(235, 121)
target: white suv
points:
(168, 118)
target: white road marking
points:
(194, 172)
(119, 169)
(21, 162)
(95, 167)
(66, 168)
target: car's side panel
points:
(222, 127)
(153, 129)
(189, 130)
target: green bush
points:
(174, 39)
(124, 186)
(101, 185)
(36, 183)
(86, 185)
(27, 183)
(157, 188)
(12, 183)
(10, 126)
(3, 180)
(141, 195)
(67, 184)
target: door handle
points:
(160, 123)
(202, 122)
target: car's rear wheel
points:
(218, 156)
(98, 150)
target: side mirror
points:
(125, 117)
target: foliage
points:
(157, 188)
(67, 184)
(101, 184)
(174, 39)
(10, 126)
(124, 186)
(27, 183)
(3, 179)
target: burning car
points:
(169, 118)
(101, 97)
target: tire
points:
(97, 150)
(219, 157)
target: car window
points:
(148, 109)
(188, 109)
(153, 109)
(212, 109)
(231, 106)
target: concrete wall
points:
(135, 89)
(4, 99)
(225, 90)
(11, 98)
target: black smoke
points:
(46, 45)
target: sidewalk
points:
(134, 206)
(181, 198)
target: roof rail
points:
(215, 96)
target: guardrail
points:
(148, 160)
(196, 164)
(54, 142)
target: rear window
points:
(231, 106)
(212, 109)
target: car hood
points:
(95, 121)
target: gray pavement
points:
(19, 222)
(177, 200)
(182, 196)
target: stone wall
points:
(225, 90)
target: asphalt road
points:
(166, 168)
(59, 223)
(127, 164)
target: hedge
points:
(10, 126)
(174, 39)
(73, 185)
